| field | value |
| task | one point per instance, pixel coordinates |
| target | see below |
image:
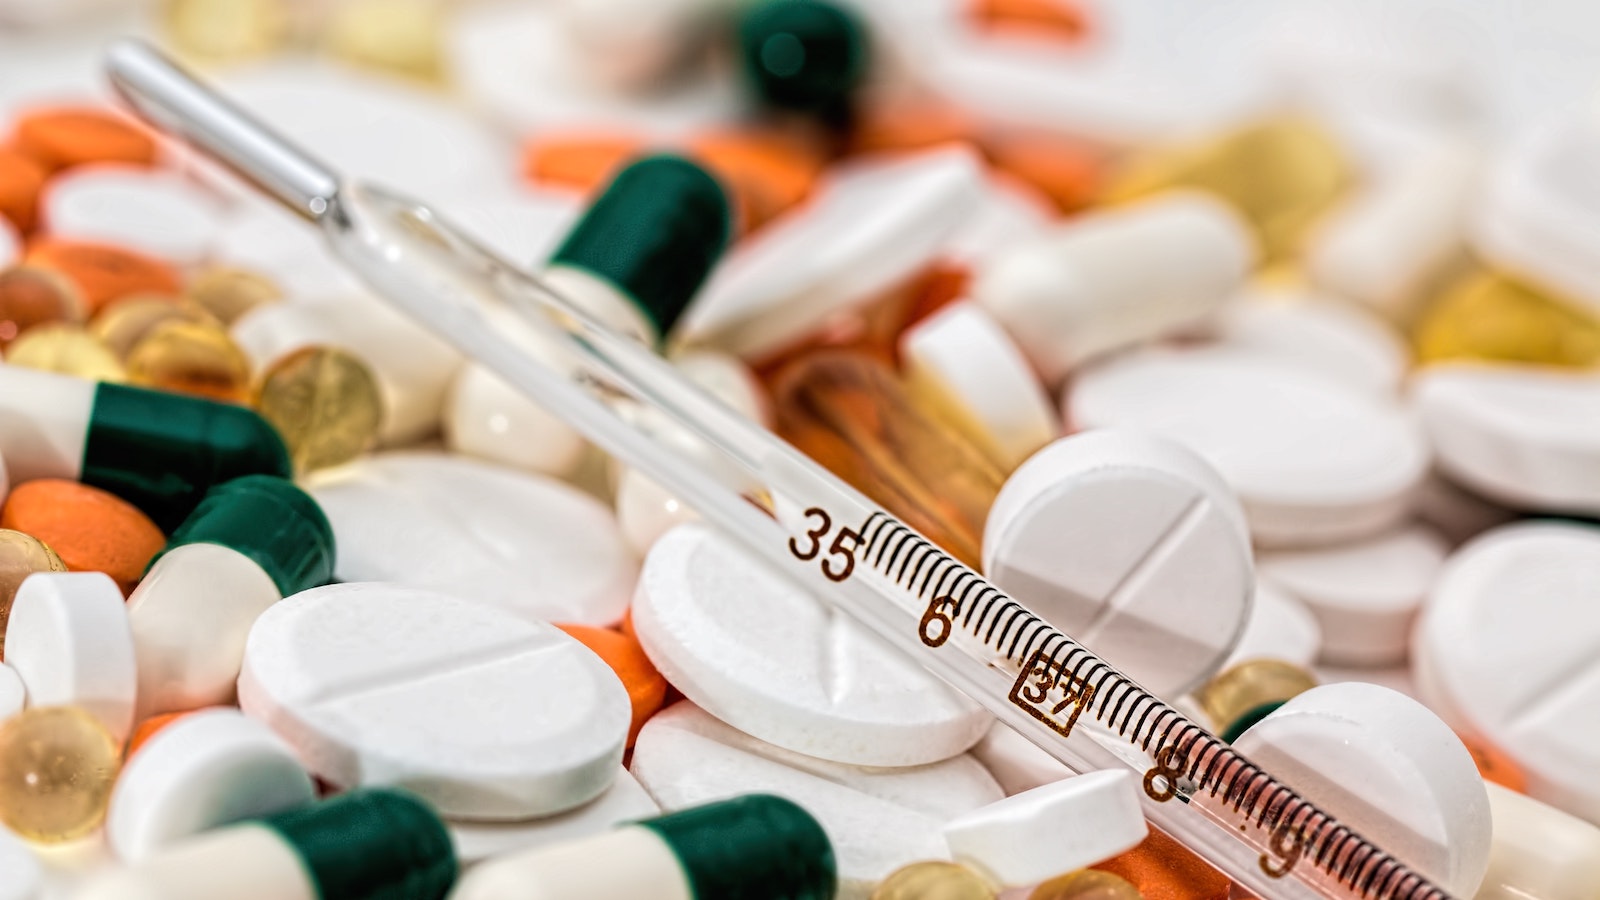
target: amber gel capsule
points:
(159, 451)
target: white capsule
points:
(1388, 768)
(1088, 287)
(1158, 580)
(1365, 595)
(961, 361)
(1505, 648)
(1539, 851)
(158, 214)
(1051, 830)
(1389, 246)
(69, 641)
(1526, 437)
(212, 768)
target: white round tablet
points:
(962, 362)
(413, 367)
(1051, 830)
(1131, 544)
(1344, 342)
(1527, 437)
(877, 819)
(527, 544)
(766, 655)
(868, 225)
(1365, 595)
(23, 874)
(1505, 648)
(210, 768)
(482, 714)
(70, 643)
(155, 213)
(13, 696)
(1381, 763)
(1280, 627)
(1313, 461)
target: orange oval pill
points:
(21, 182)
(582, 162)
(1163, 869)
(898, 126)
(1494, 765)
(766, 172)
(1063, 170)
(1062, 20)
(91, 530)
(646, 688)
(102, 272)
(72, 136)
(148, 728)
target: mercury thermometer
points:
(789, 510)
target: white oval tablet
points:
(482, 714)
(867, 226)
(877, 819)
(1525, 436)
(1051, 830)
(1280, 627)
(413, 366)
(1381, 763)
(158, 214)
(527, 544)
(1131, 544)
(70, 643)
(1365, 595)
(963, 362)
(13, 696)
(23, 874)
(624, 801)
(210, 768)
(1313, 461)
(764, 654)
(1344, 342)
(1505, 648)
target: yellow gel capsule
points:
(67, 349)
(1086, 884)
(1281, 174)
(851, 414)
(122, 324)
(21, 555)
(933, 881)
(230, 293)
(31, 295)
(221, 31)
(191, 358)
(397, 36)
(57, 768)
(1240, 696)
(326, 404)
(1491, 316)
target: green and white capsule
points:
(251, 542)
(159, 451)
(364, 845)
(753, 846)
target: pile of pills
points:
(1280, 392)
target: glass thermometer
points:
(791, 511)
